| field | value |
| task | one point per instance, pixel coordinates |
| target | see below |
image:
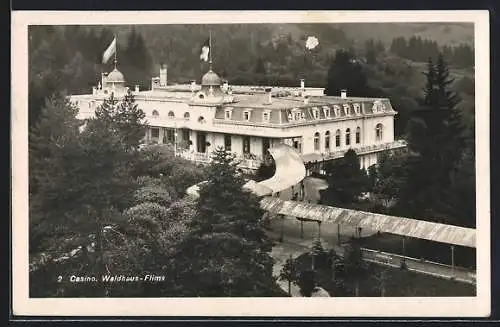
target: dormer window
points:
(186, 116)
(357, 108)
(336, 109)
(326, 111)
(266, 116)
(378, 106)
(246, 115)
(346, 109)
(315, 112)
(171, 115)
(201, 120)
(228, 114)
(155, 113)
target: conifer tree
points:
(224, 206)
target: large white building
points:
(247, 120)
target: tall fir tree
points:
(436, 136)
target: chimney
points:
(269, 96)
(302, 84)
(225, 86)
(306, 99)
(193, 85)
(343, 94)
(163, 75)
(136, 89)
(94, 90)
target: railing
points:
(247, 163)
(367, 149)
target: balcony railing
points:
(205, 158)
(367, 149)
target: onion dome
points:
(211, 79)
(115, 77)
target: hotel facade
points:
(248, 120)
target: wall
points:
(367, 126)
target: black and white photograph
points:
(243, 159)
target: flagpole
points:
(116, 49)
(210, 49)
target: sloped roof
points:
(427, 230)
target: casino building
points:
(247, 120)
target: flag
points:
(312, 42)
(205, 50)
(111, 50)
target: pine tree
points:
(355, 268)
(436, 135)
(344, 73)
(227, 250)
(289, 273)
(224, 206)
(346, 180)
(124, 119)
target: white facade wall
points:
(367, 137)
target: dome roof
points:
(211, 78)
(115, 77)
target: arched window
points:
(156, 113)
(337, 138)
(186, 115)
(379, 132)
(358, 135)
(348, 136)
(171, 114)
(201, 119)
(316, 141)
(327, 140)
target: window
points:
(337, 138)
(290, 117)
(227, 142)
(316, 141)
(266, 116)
(337, 110)
(246, 144)
(246, 115)
(315, 113)
(347, 109)
(357, 108)
(358, 135)
(228, 114)
(327, 140)
(186, 115)
(171, 115)
(326, 111)
(379, 132)
(201, 120)
(155, 133)
(201, 96)
(170, 135)
(156, 113)
(348, 136)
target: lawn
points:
(398, 283)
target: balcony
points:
(360, 150)
(246, 162)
